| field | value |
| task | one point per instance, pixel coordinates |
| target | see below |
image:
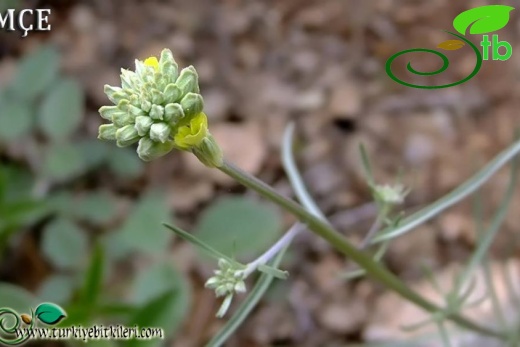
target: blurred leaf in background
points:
(141, 232)
(36, 72)
(163, 296)
(239, 226)
(83, 232)
(61, 110)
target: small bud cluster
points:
(390, 195)
(228, 280)
(161, 109)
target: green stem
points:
(323, 229)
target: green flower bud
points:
(146, 105)
(225, 306)
(390, 194)
(170, 71)
(157, 112)
(127, 79)
(107, 112)
(209, 153)
(221, 290)
(121, 119)
(126, 136)
(140, 68)
(192, 104)
(240, 287)
(157, 97)
(115, 94)
(160, 132)
(149, 150)
(223, 264)
(160, 80)
(134, 101)
(172, 93)
(173, 113)
(143, 124)
(168, 65)
(123, 105)
(135, 111)
(188, 80)
(107, 132)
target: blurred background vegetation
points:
(80, 220)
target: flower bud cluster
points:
(227, 281)
(160, 108)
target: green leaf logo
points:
(483, 19)
(49, 313)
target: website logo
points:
(16, 329)
(480, 20)
(47, 313)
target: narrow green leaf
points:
(478, 216)
(295, 178)
(280, 274)
(93, 282)
(491, 232)
(197, 242)
(366, 165)
(62, 110)
(456, 195)
(36, 72)
(483, 19)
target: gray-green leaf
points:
(15, 120)
(96, 207)
(483, 19)
(62, 162)
(64, 244)
(57, 288)
(62, 110)
(16, 297)
(36, 72)
(162, 312)
(125, 163)
(239, 226)
(142, 230)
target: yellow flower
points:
(153, 62)
(192, 135)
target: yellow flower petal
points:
(192, 135)
(153, 62)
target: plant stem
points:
(373, 269)
(274, 249)
(381, 216)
